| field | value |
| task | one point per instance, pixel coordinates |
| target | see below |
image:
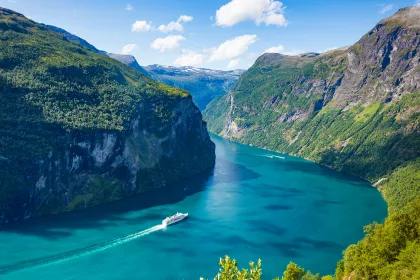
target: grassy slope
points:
(49, 82)
(374, 140)
(49, 85)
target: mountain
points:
(203, 84)
(78, 128)
(356, 110)
(124, 58)
(73, 38)
(128, 60)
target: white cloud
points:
(13, 1)
(189, 58)
(168, 43)
(276, 49)
(141, 26)
(176, 25)
(260, 11)
(232, 64)
(128, 48)
(233, 48)
(417, 3)
(129, 8)
(386, 8)
(185, 18)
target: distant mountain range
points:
(203, 84)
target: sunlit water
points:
(252, 205)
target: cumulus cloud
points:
(176, 25)
(189, 58)
(141, 26)
(269, 12)
(168, 43)
(386, 8)
(232, 64)
(185, 18)
(129, 8)
(276, 49)
(233, 48)
(128, 48)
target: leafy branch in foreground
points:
(229, 270)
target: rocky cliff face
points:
(89, 168)
(355, 109)
(78, 128)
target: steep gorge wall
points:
(78, 128)
(356, 109)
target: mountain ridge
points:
(78, 128)
(127, 59)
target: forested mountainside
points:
(124, 58)
(203, 84)
(356, 110)
(78, 128)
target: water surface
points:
(252, 205)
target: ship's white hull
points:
(169, 221)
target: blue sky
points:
(217, 34)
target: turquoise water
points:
(250, 206)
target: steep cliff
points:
(355, 109)
(78, 128)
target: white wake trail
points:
(78, 253)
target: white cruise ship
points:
(174, 219)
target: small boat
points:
(174, 219)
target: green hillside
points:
(356, 110)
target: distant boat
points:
(273, 156)
(174, 219)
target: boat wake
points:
(273, 156)
(77, 253)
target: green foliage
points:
(293, 272)
(368, 112)
(48, 83)
(276, 106)
(229, 270)
(402, 186)
(389, 251)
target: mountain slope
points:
(128, 60)
(78, 128)
(356, 110)
(203, 84)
